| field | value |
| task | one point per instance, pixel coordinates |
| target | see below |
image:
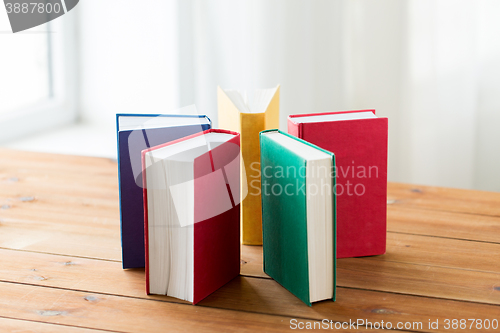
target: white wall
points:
(432, 67)
(128, 58)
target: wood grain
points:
(246, 293)
(251, 261)
(25, 326)
(441, 252)
(444, 199)
(421, 280)
(59, 204)
(60, 238)
(443, 224)
(125, 314)
(60, 243)
(269, 297)
(410, 249)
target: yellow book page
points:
(273, 112)
(228, 114)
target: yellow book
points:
(236, 114)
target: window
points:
(37, 77)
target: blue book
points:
(136, 132)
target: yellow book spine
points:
(249, 125)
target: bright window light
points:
(25, 68)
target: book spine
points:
(216, 242)
(251, 126)
(119, 181)
(294, 128)
(360, 146)
(146, 232)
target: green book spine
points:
(284, 217)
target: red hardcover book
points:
(192, 214)
(359, 141)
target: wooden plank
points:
(125, 314)
(422, 280)
(70, 234)
(417, 279)
(444, 199)
(76, 201)
(55, 193)
(360, 273)
(424, 268)
(59, 204)
(73, 273)
(25, 326)
(419, 265)
(443, 224)
(58, 183)
(243, 293)
(40, 228)
(74, 212)
(85, 241)
(18, 159)
(381, 274)
(441, 252)
(409, 249)
(35, 167)
(264, 295)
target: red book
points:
(192, 214)
(358, 139)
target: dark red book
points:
(192, 214)
(359, 141)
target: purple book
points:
(136, 132)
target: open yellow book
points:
(237, 115)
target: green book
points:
(298, 215)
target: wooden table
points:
(61, 272)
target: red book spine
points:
(294, 128)
(360, 148)
(216, 239)
(146, 233)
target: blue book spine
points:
(130, 144)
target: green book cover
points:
(284, 216)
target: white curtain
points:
(431, 66)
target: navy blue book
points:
(136, 132)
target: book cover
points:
(132, 138)
(286, 228)
(216, 216)
(238, 117)
(360, 148)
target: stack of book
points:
(185, 206)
